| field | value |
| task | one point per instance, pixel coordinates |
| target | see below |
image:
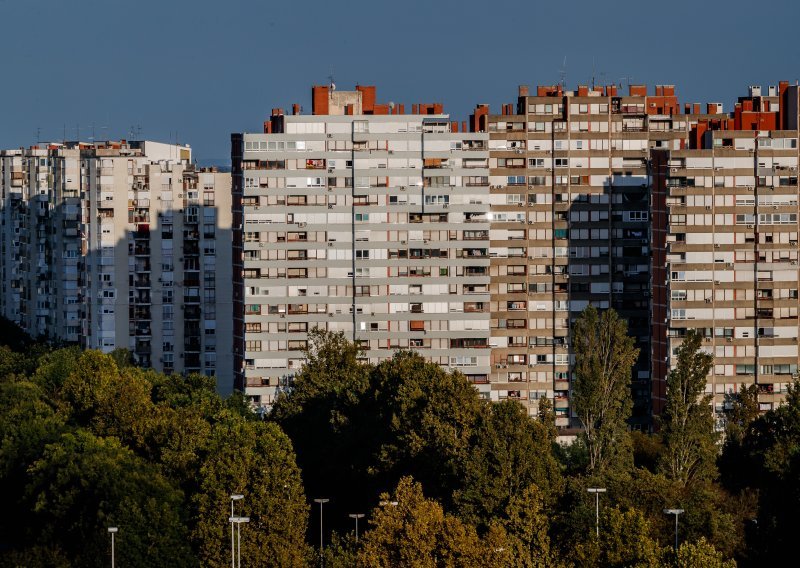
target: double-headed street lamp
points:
(113, 531)
(234, 497)
(356, 516)
(238, 521)
(321, 503)
(675, 512)
(597, 491)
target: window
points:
(562, 162)
(416, 325)
(362, 254)
(252, 345)
(516, 180)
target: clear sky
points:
(197, 70)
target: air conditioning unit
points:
(729, 339)
(329, 135)
(716, 245)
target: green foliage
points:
(86, 443)
(410, 530)
(690, 441)
(424, 417)
(604, 357)
(624, 541)
(84, 484)
(510, 451)
(254, 459)
(701, 554)
(768, 461)
(527, 528)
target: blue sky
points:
(198, 70)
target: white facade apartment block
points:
(732, 258)
(374, 225)
(120, 245)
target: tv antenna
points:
(563, 73)
(331, 82)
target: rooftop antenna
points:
(38, 135)
(331, 82)
(593, 73)
(563, 73)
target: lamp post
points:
(234, 497)
(675, 512)
(321, 503)
(113, 531)
(356, 516)
(597, 491)
(239, 521)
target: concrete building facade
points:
(373, 223)
(479, 246)
(120, 245)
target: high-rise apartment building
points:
(570, 188)
(120, 245)
(480, 248)
(363, 219)
(724, 237)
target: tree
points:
(624, 541)
(254, 459)
(690, 442)
(510, 451)
(410, 530)
(526, 524)
(604, 357)
(321, 413)
(84, 484)
(770, 463)
(701, 554)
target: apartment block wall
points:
(570, 212)
(120, 245)
(375, 225)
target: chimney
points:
(295, 109)
(523, 90)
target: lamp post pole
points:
(356, 516)
(597, 491)
(234, 497)
(238, 521)
(321, 503)
(113, 531)
(675, 512)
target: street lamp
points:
(675, 512)
(234, 497)
(321, 503)
(597, 491)
(385, 503)
(113, 531)
(239, 521)
(356, 516)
